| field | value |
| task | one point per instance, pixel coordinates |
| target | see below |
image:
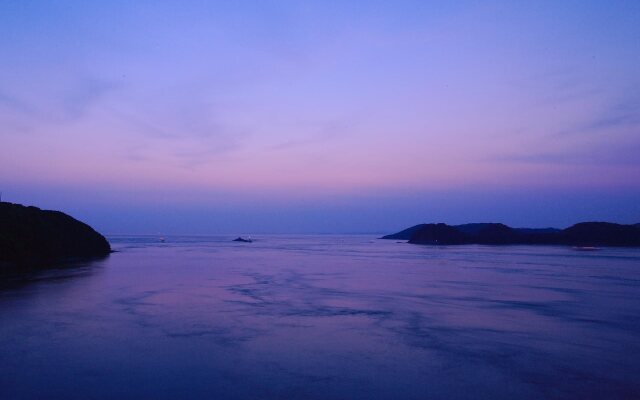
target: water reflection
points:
(326, 317)
(15, 279)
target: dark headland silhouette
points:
(34, 238)
(582, 234)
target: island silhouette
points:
(581, 234)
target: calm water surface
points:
(324, 317)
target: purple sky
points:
(328, 116)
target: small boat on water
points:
(243, 240)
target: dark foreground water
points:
(325, 317)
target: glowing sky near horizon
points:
(136, 116)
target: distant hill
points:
(31, 237)
(469, 229)
(405, 234)
(602, 234)
(438, 233)
(582, 234)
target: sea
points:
(324, 317)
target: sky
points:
(199, 117)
